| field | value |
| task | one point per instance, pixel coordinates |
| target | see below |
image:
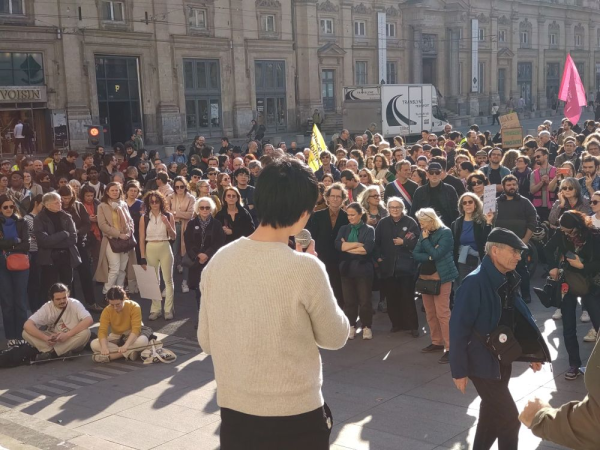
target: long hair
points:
(5, 198)
(363, 198)
(574, 183)
(477, 215)
(239, 203)
(161, 198)
(509, 160)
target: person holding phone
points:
(575, 248)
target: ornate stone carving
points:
(362, 9)
(327, 6)
(525, 25)
(482, 18)
(579, 29)
(554, 27)
(392, 12)
(504, 20)
(268, 4)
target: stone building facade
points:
(181, 68)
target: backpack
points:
(20, 355)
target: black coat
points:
(481, 231)
(213, 241)
(449, 199)
(385, 249)
(11, 246)
(49, 239)
(324, 235)
(241, 226)
(83, 224)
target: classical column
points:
(240, 69)
(307, 59)
(514, 45)
(493, 85)
(168, 117)
(347, 43)
(417, 59)
(541, 65)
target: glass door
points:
(328, 89)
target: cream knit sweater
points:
(265, 311)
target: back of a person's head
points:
(285, 190)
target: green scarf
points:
(353, 237)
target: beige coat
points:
(105, 223)
(183, 210)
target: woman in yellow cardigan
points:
(124, 319)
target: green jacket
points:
(575, 424)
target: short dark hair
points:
(107, 159)
(587, 158)
(474, 127)
(72, 153)
(91, 169)
(542, 150)
(240, 171)
(436, 151)
(181, 148)
(508, 178)
(348, 175)
(206, 152)
(56, 288)
(196, 172)
(226, 139)
(129, 144)
(441, 161)
(415, 148)
(454, 134)
(285, 190)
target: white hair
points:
(429, 215)
(210, 201)
(49, 196)
(397, 200)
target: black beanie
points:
(569, 221)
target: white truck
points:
(397, 109)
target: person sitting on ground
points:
(60, 327)
(124, 317)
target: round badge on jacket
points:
(502, 338)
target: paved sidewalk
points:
(384, 394)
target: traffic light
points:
(96, 135)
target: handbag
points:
(428, 287)
(551, 294)
(16, 262)
(578, 283)
(122, 245)
(502, 343)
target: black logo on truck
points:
(394, 117)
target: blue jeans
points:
(569, 320)
(13, 299)
(177, 250)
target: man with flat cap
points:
(490, 328)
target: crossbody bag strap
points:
(59, 316)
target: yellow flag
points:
(317, 145)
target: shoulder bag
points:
(16, 262)
(121, 245)
(502, 343)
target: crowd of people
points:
(387, 217)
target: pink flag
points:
(572, 91)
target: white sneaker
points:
(184, 287)
(591, 336)
(367, 333)
(99, 358)
(169, 315)
(164, 293)
(154, 315)
(585, 317)
(557, 314)
(179, 268)
(352, 333)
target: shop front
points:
(23, 98)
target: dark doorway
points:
(328, 89)
(121, 127)
(428, 71)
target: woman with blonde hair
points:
(366, 177)
(370, 200)
(436, 274)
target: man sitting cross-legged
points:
(60, 326)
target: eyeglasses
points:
(231, 196)
(179, 186)
(435, 172)
(8, 207)
(155, 202)
(394, 208)
(567, 188)
(468, 202)
(336, 197)
(211, 174)
(475, 183)
(375, 196)
(204, 208)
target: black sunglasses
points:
(435, 172)
(567, 188)
(476, 183)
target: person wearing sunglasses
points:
(570, 197)
(14, 239)
(437, 195)
(575, 248)
(235, 219)
(181, 204)
(157, 230)
(203, 237)
(476, 183)
(470, 232)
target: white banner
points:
(474, 55)
(382, 47)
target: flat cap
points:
(503, 236)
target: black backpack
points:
(20, 355)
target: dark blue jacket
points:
(477, 305)
(438, 246)
(335, 173)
